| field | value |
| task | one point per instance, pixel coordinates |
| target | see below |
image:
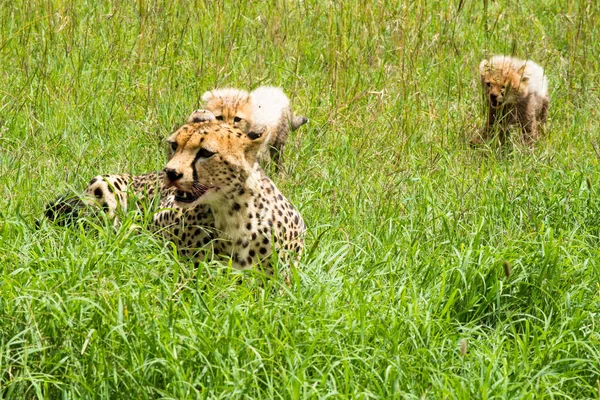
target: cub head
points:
(503, 83)
(211, 161)
(231, 106)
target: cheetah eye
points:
(237, 119)
(488, 84)
(173, 146)
(219, 117)
(203, 153)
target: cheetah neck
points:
(239, 215)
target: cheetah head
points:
(210, 160)
(230, 105)
(501, 83)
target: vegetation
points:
(432, 270)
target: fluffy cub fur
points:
(516, 93)
(265, 107)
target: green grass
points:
(409, 228)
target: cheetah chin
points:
(186, 198)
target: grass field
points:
(432, 270)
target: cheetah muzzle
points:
(184, 198)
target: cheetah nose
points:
(494, 99)
(172, 174)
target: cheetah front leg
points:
(191, 230)
(529, 126)
(483, 135)
(109, 192)
(543, 117)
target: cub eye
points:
(237, 119)
(488, 84)
(203, 153)
(173, 146)
(219, 117)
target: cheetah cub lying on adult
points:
(517, 94)
(265, 106)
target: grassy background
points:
(402, 292)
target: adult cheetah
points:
(215, 197)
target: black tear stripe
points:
(195, 173)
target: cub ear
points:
(201, 116)
(257, 136)
(484, 67)
(524, 73)
(207, 96)
(254, 135)
(257, 133)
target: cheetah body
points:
(516, 93)
(222, 205)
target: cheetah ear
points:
(524, 74)
(484, 67)
(257, 136)
(201, 116)
(207, 96)
(258, 133)
(254, 135)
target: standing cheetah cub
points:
(264, 107)
(516, 92)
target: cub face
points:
(501, 84)
(210, 161)
(231, 106)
